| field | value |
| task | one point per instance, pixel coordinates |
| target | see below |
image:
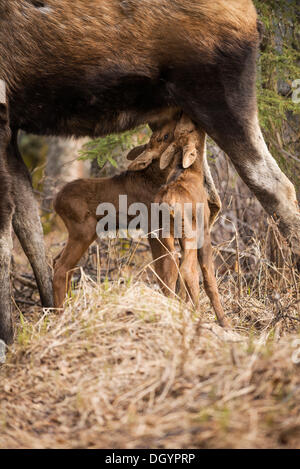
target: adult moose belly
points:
(84, 102)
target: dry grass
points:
(124, 367)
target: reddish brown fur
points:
(189, 188)
(77, 204)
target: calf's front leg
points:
(189, 275)
(78, 242)
(166, 263)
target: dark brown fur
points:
(6, 211)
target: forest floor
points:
(125, 367)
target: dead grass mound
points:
(124, 367)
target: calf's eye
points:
(166, 137)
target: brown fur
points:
(73, 52)
(112, 30)
(77, 203)
(189, 188)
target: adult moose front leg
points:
(6, 211)
(27, 224)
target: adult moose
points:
(73, 67)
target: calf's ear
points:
(167, 156)
(189, 156)
(142, 161)
(136, 152)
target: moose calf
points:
(149, 178)
(189, 181)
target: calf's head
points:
(177, 139)
(160, 140)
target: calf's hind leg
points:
(205, 259)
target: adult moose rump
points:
(90, 68)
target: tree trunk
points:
(62, 166)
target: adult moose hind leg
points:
(259, 170)
(6, 211)
(27, 224)
(221, 98)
